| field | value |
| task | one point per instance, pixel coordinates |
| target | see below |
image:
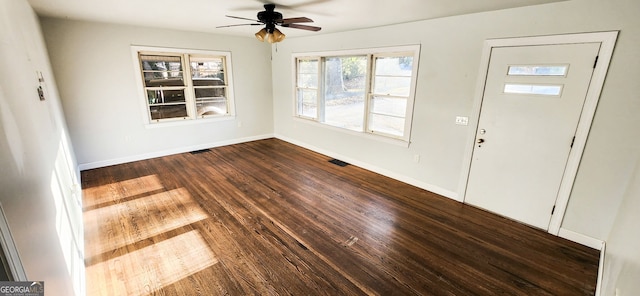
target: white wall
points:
(95, 70)
(93, 64)
(449, 64)
(603, 204)
(37, 166)
(622, 261)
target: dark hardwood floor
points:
(271, 218)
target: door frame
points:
(607, 42)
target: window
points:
(538, 70)
(307, 87)
(533, 89)
(364, 91)
(185, 85)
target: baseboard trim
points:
(423, 185)
(581, 239)
(109, 162)
(600, 270)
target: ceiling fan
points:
(270, 19)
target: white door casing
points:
(526, 163)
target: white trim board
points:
(600, 270)
(607, 41)
(581, 239)
(10, 250)
(423, 185)
(132, 158)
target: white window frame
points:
(190, 100)
(409, 50)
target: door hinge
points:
(595, 62)
(572, 141)
(553, 209)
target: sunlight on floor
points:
(147, 270)
(123, 189)
(138, 219)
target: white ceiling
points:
(206, 15)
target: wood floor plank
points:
(270, 218)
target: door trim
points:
(607, 42)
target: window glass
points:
(538, 70)
(392, 106)
(202, 91)
(387, 124)
(162, 70)
(533, 89)
(168, 111)
(307, 87)
(344, 91)
(391, 89)
(164, 96)
(364, 92)
(307, 103)
(308, 73)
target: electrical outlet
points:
(416, 158)
(462, 120)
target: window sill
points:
(369, 136)
(151, 125)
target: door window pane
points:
(538, 70)
(533, 89)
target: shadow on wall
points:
(11, 135)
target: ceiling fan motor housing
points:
(269, 16)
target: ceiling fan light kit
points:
(272, 36)
(271, 18)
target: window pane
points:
(308, 80)
(396, 86)
(210, 92)
(308, 73)
(538, 70)
(168, 111)
(533, 89)
(344, 91)
(162, 70)
(308, 103)
(211, 107)
(163, 96)
(208, 81)
(207, 68)
(389, 106)
(308, 65)
(387, 124)
(156, 79)
(394, 66)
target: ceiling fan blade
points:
(242, 18)
(295, 20)
(260, 24)
(303, 27)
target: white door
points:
(532, 102)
